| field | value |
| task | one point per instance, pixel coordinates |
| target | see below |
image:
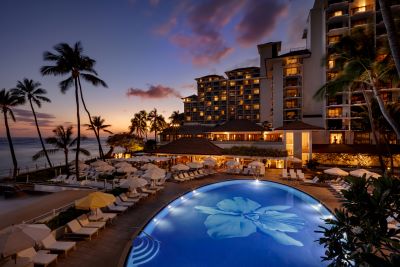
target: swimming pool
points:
(234, 223)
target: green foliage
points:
(359, 233)
(64, 217)
(150, 145)
(255, 151)
(117, 191)
(312, 164)
(130, 142)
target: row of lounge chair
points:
(293, 174)
(190, 175)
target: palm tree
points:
(7, 102)
(392, 33)
(32, 92)
(71, 61)
(177, 118)
(362, 66)
(62, 141)
(97, 126)
(139, 124)
(157, 123)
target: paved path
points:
(31, 207)
(112, 245)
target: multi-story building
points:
(221, 99)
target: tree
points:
(97, 126)
(139, 124)
(62, 141)
(392, 33)
(157, 122)
(71, 61)
(363, 67)
(359, 235)
(128, 141)
(7, 102)
(177, 118)
(31, 91)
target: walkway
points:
(113, 243)
(29, 207)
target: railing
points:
(50, 214)
(362, 9)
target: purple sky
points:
(148, 51)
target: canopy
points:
(209, 161)
(105, 168)
(195, 165)
(134, 183)
(94, 200)
(256, 164)
(231, 163)
(154, 174)
(336, 172)
(148, 166)
(122, 164)
(180, 167)
(362, 172)
(98, 163)
(14, 239)
(127, 169)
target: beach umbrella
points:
(256, 164)
(374, 175)
(154, 174)
(361, 172)
(127, 169)
(134, 183)
(148, 166)
(122, 164)
(14, 239)
(161, 159)
(231, 163)
(104, 168)
(98, 163)
(209, 161)
(94, 201)
(180, 167)
(195, 165)
(336, 172)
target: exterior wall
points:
(277, 87)
(260, 144)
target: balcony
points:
(336, 5)
(362, 10)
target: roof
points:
(238, 126)
(191, 96)
(187, 129)
(190, 146)
(220, 77)
(296, 53)
(298, 125)
(246, 69)
(354, 149)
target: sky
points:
(147, 51)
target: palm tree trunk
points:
(391, 32)
(78, 122)
(40, 135)
(66, 162)
(373, 129)
(14, 159)
(97, 135)
(386, 114)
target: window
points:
(209, 117)
(291, 103)
(292, 61)
(188, 118)
(248, 76)
(256, 106)
(331, 63)
(289, 143)
(194, 109)
(292, 71)
(256, 81)
(336, 138)
(361, 138)
(334, 39)
(201, 114)
(216, 98)
(256, 91)
(334, 112)
(338, 13)
(232, 83)
(216, 108)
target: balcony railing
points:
(362, 9)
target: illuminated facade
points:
(221, 99)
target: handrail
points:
(53, 213)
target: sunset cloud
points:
(154, 91)
(44, 119)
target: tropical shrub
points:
(359, 234)
(312, 164)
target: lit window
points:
(194, 109)
(248, 76)
(209, 89)
(217, 117)
(223, 83)
(256, 106)
(292, 71)
(247, 107)
(256, 81)
(241, 102)
(246, 82)
(360, 9)
(216, 108)
(222, 112)
(223, 97)
(232, 83)
(334, 112)
(331, 64)
(201, 113)
(338, 13)
(292, 60)
(216, 98)
(208, 103)
(256, 91)
(188, 118)
(209, 117)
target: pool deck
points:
(112, 245)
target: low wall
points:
(259, 144)
(358, 160)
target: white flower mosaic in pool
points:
(241, 217)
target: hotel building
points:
(278, 98)
(221, 99)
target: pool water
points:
(234, 223)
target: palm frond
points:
(93, 79)
(42, 153)
(43, 98)
(83, 151)
(66, 84)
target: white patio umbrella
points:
(122, 164)
(209, 163)
(126, 169)
(231, 163)
(104, 168)
(294, 159)
(256, 164)
(361, 172)
(134, 183)
(154, 174)
(374, 175)
(336, 172)
(180, 167)
(98, 163)
(148, 166)
(195, 165)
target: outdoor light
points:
(169, 206)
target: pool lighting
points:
(169, 206)
(194, 191)
(154, 220)
(182, 198)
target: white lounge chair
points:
(50, 243)
(284, 174)
(313, 181)
(147, 190)
(76, 229)
(127, 204)
(84, 221)
(99, 215)
(292, 174)
(115, 208)
(41, 257)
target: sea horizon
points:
(26, 147)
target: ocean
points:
(25, 148)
